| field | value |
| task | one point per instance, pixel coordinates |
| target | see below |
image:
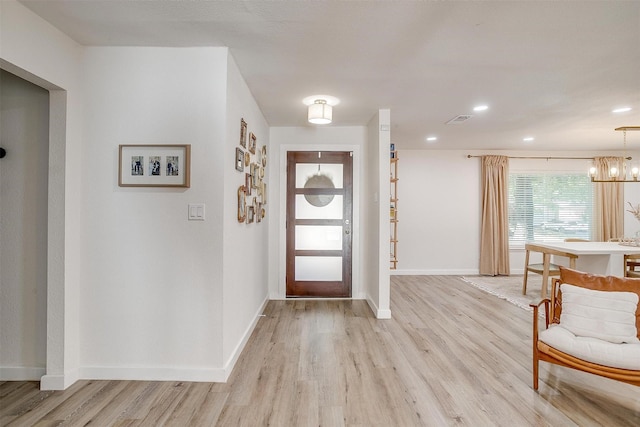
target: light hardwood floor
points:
(451, 355)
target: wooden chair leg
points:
(546, 260)
(526, 273)
(534, 334)
(535, 367)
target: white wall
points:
(24, 133)
(439, 208)
(331, 138)
(631, 195)
(152, 280)
(34, 50)
(245, 245)
(438, 212)
(375, 199)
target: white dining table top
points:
(592, 248)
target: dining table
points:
(606, 258)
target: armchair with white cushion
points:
(592, 324)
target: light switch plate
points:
(196, 211)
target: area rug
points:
(508, 288)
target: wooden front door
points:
(319, 223)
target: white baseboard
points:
(217, 375)
(153, 374)
(379, 313)
(21, 373)
(59, 382)
(235, 355)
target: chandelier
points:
(619, 170)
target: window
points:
(549, 207)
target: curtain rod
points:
(548, 158)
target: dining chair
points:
(631, 262)
(546, 269)
(632, 266)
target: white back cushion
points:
(609, 316)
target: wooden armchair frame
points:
(553, 309)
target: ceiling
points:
(550, 70)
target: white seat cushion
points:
(594, 350)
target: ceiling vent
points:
(459, 119)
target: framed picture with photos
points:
(154, 165)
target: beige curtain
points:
(608, 202)
(494, 233)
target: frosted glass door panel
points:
(305, 210)
(319, 268)
(320, 237)
(304, 171)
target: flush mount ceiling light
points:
(621, 110)
(320, 110)
(320, 113)
(528, 139)
(618, 171)
(431, 138)
(481, 108)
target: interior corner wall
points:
(37, 52)
(245, 245)
(152, 281)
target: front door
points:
(319, 223)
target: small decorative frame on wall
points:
(154, 165)
(252, 142)
(247, 183)
(243, 133)
(255, 175)
(251, 214)
(242, 204)
(239, 160)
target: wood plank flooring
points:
(451, 355)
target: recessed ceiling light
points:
(431, 138)
(621, 110)
(528, 139)
(481, 108)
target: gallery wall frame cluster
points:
(251, 161)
